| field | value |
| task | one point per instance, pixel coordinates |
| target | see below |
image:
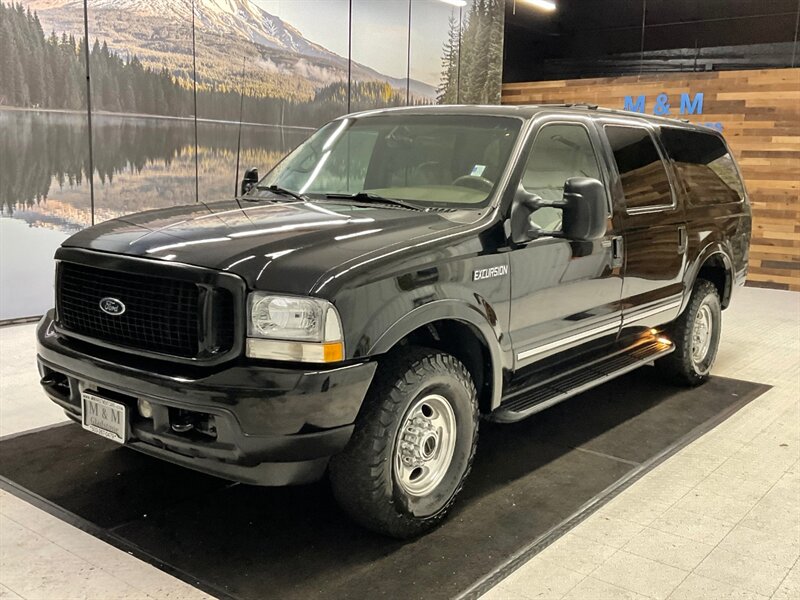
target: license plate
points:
(104, 417)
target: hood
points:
(282, 246)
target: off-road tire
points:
(363, 475)
(680, 367)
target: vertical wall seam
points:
(89, 106)
(408, 58)
(349, 52)
(194, 94)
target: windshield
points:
(428, 160)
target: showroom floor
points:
(720, 519)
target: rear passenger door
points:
(654, 233)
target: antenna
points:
(239, 139)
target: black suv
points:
(399, 276)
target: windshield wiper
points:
(278, 191)
(374, 198)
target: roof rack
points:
(570, 105)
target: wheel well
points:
(467, 344)
(716, 271)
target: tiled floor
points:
(721, 519)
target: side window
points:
(704, 165)
(644, 178)
(560, 151)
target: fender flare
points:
(713, 249)
(454, 310)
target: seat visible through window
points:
(560, 151)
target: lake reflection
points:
(140, 163)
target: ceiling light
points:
(459, 3)
(547, 5)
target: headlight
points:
(293, 328)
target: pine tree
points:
(7, 91)
(494, 52)
(447, 92)
(468, 52)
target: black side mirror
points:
(523, 206)
(249, 180)
(584, 206)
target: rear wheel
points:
(413, 444)
(696, 337)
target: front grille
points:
(161, 315)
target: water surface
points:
(140, 163)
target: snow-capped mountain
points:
(222, 17)
(159, 32)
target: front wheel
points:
(696, 337)
(413, 444)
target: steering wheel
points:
(474, 182)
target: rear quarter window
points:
(704, 165)
(642, 173)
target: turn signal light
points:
(313, 352)
(333, 351)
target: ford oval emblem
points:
(112, 306)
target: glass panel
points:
(433, 159)
(142, 106)
(481, 60)
(644, 179)
(380, 54)
(44, 148)
(558, 153)
(434, 52)
(271, 66)
(705, 166)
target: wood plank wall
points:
(760, 115)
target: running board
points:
(531, 400)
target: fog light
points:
(145, 409)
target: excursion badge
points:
(489, 272)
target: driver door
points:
(564, 293)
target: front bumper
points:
(271, 425)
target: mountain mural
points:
(279, 61)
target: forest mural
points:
(282, 67)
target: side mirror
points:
(584, 206)
(249, 180)
(522, 208)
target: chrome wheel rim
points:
(425, 445)
(702, 333)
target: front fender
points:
(458, 310)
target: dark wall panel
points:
(647, 36)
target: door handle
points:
(683, 239)
(616, 251)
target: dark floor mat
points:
(248, 542)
